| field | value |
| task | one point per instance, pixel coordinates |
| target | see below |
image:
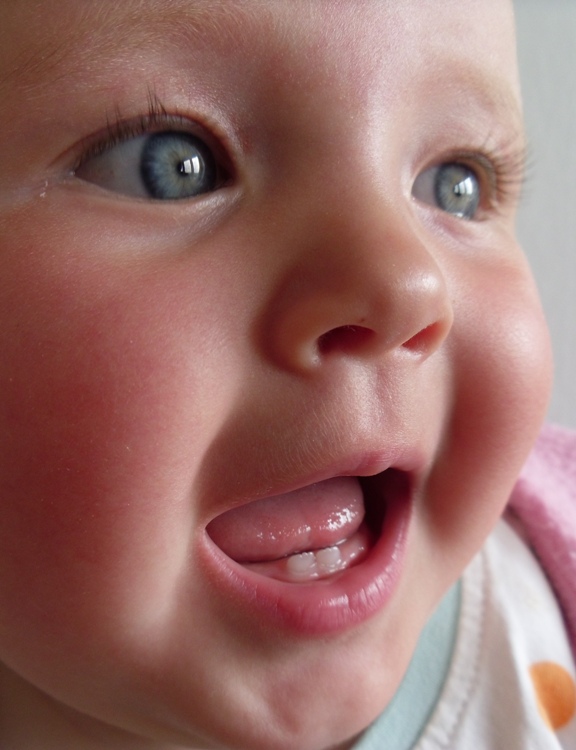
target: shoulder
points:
(553, 459)
(545, 492)
(543, 503)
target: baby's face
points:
(250, 250)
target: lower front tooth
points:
(328, 560)
(316, 564)
(302, 565)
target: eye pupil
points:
(456, 190)
(177, 165)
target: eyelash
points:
(119, 129)
(501, 171)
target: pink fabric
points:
(544, 500)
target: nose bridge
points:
(362, 280)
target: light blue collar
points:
(402, 722)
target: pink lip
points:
(334, 604)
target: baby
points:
(271, 364)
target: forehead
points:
(456, 38)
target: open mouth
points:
(311, 534)
(318, 559)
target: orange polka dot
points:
(555, 693)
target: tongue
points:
(313, 517)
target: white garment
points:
(509, 622)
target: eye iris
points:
(456, 190)
(176, 165)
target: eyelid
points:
(500, 173)
(157, 119)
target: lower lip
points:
(331, 605)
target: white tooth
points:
(329, 559)
(302, 565)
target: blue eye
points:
(452, 187)
(177, 165)
(167, 165)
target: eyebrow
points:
(180, 22)
(494, 95)
(499, 98)
(128, 27)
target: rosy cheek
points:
(65, 454)
(501, 377)
(105, 416)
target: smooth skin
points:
(164, 361)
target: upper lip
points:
(363, 464)
(389, 480)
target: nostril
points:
(347, 339)
(426, 339)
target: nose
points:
(362, 283)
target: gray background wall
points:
(547, 217)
